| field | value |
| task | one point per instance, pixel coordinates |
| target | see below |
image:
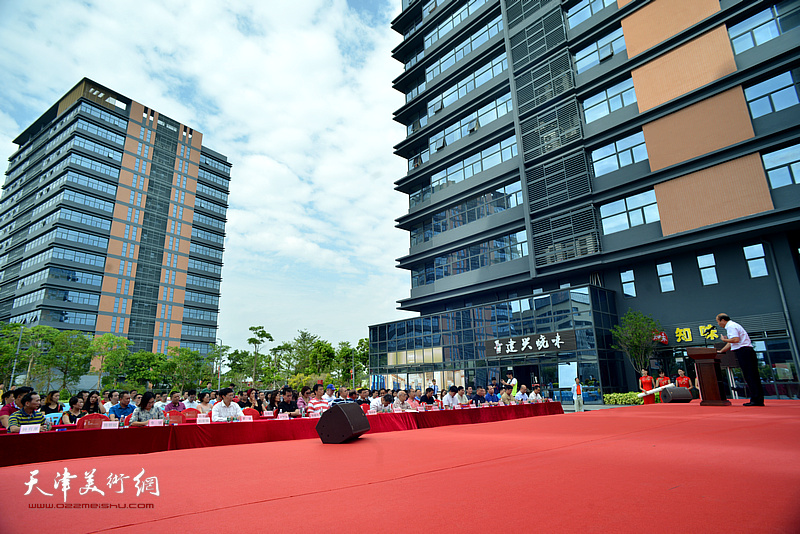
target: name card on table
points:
(513, 403)
(395, 409)
(29, 429)
(457, 407)
(372, 411)
(155, 422)
(314, 415)
(203, 419)
(283, 416)
(435, 408)
(248, 418)
(108, 425)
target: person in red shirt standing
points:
(683, 381)
(662, 380)
(646, 384)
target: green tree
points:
(70, 354)
(146, 368)
(38, 342)
(184, 367)
(344, 362)
(302, 345)
(240, 363)
(634, 336)
(112, 353)
(362, 359)
(11, 335)
(218, 356)
(321, 358)
(260, 336)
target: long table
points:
(49, 446)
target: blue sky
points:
(297, 95)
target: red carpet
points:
(664, 468)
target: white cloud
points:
(297, 95)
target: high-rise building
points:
(570, 160)
(113, 220)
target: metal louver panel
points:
(558, 181)
(565, 236)
(541, 36)
(544, 82)
(550, 130)
(519, 10)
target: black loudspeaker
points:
(342, 423)
(676, 394)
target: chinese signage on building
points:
(704, 333)
(561, 341)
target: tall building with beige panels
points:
(112, 219)
(570, 160)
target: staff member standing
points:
(739, 342)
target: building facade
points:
(570, 160)
(112, 220)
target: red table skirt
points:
(50, 446)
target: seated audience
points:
(13, 406)
(317, 403)
(386, 404)
(522, 394)
(160, 401)
(449, 400)
(507, 397)
(302, 400)
(461, 396)
(427, 398)
(191, 401)
(273, 400)
(94, 405)
(479, 398)
(137, 399)
(245, 401)
(491, 398)
(288, 404)
(363, 396)
(204, 406)
(51, 404)
(536, 394)
(122, 409)
(74, 413)
(226, 409)
(342, 398)
(402, 401)
(146, 410)
(329, 393)
(28, 414)
(113, 399)
(175, 404)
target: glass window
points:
(769, 96)
(600, 51)
(629, 212)
(616, 97)
(583, 10)
(626, 151)
(665, 279)
(764, 26)
(708, 269)
(628, 283)
(783, 166)
(756, 262)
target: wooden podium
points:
(709, 373)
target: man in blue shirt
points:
(122, 409)
(491, 397)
